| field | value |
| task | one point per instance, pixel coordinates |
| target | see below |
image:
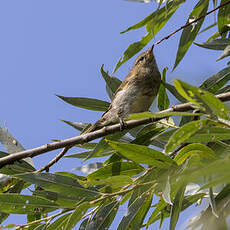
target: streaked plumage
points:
(136, 93)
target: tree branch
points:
(190, 23)
(96, 134)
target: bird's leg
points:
(122, 124)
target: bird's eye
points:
(141, 59)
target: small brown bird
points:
(135, 94)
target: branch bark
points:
(96, 134)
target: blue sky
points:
(57, 47)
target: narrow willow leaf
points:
(142, 154)
(138, 220)
(24, 204)
(12, 145)
(173, 5)
(133, 49)
(131, 213)
(76, 215)
(116, 168)
(215, 44)
(114, 181)
(174, 92)
(105, 216)
(112, 83)
(205, 100)
(59, 183)
(190, 32)
(176, 208)
(183, 133)
(77, 125)
(225, 53)
(196, 148)
(59, 223)
(208, 27)
(86, 103)
(212, 202)
(139, 116)
(166, 194)
(163, 100)
(223, 19)
(216, 81)
(17, 167)
(210, 134)
(160, 206)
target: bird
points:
(135, 94)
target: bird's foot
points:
(123, 125)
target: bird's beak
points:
(151, 49)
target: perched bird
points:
(135, 94)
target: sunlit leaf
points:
(23, 204)
(116, 168)
(183, 133)
(196, 148)
(142, 154)
(203, 99)
(59, 183)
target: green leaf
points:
(17, 167)
(190, 32)
(163, 100)
(225, 53)
(215, 44)
(176, 208)
(105, 216)
(223, 19)
(133, 49)
(132, 211)
(212, 202)
(166, 193)
(59, 183)
(160, 206)
(203, 99)
(174, 92)
(216, 81)
(140, 116)
(76, 215)
(142, 154)
(210, 134)
(137, 222)
(86, 103)
(59, 223)
(161, 13)
(112, 83)
(208, 27)
(24, 204)
(116, 168)
(77, 125)
(183, 133)
(196, 148)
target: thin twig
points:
(84, 138)
(43, 219)
(53, 161)
(190, 23)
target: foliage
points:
(156, 171)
